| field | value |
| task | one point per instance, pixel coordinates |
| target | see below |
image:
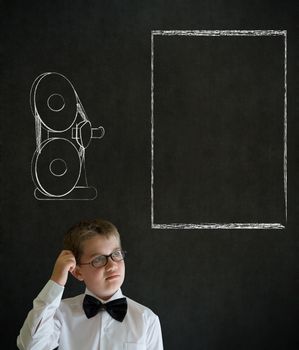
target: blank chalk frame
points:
(230, 225)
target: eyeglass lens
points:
(102, 260)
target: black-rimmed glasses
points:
(102, 260)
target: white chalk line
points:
(214, 226)
(220, 32)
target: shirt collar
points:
(118, 294)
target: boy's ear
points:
(77, 273)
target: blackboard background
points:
(213, 289)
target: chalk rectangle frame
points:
(271, 225)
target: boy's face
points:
(106, 280)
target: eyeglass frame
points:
(123, 252)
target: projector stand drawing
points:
(63, 133)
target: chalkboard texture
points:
(196, 130)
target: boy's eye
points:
(99, 260)
(118, 254)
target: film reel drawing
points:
(63, 132)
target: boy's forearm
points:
(39, 330)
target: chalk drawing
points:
(63, 133)
(224, 33)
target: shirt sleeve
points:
(154, 335)
(40, 330)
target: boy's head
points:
(76, 236)
(97, 249)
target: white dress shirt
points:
(62, 322)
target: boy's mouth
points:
(112, 277)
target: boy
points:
(102, 318)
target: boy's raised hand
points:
(64, 264)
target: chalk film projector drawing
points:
(63, 132)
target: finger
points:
(66, 252)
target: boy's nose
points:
(111, 264)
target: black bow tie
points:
(116, 308)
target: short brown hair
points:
(83, 230)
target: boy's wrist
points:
(61, 280)
(57, 282)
